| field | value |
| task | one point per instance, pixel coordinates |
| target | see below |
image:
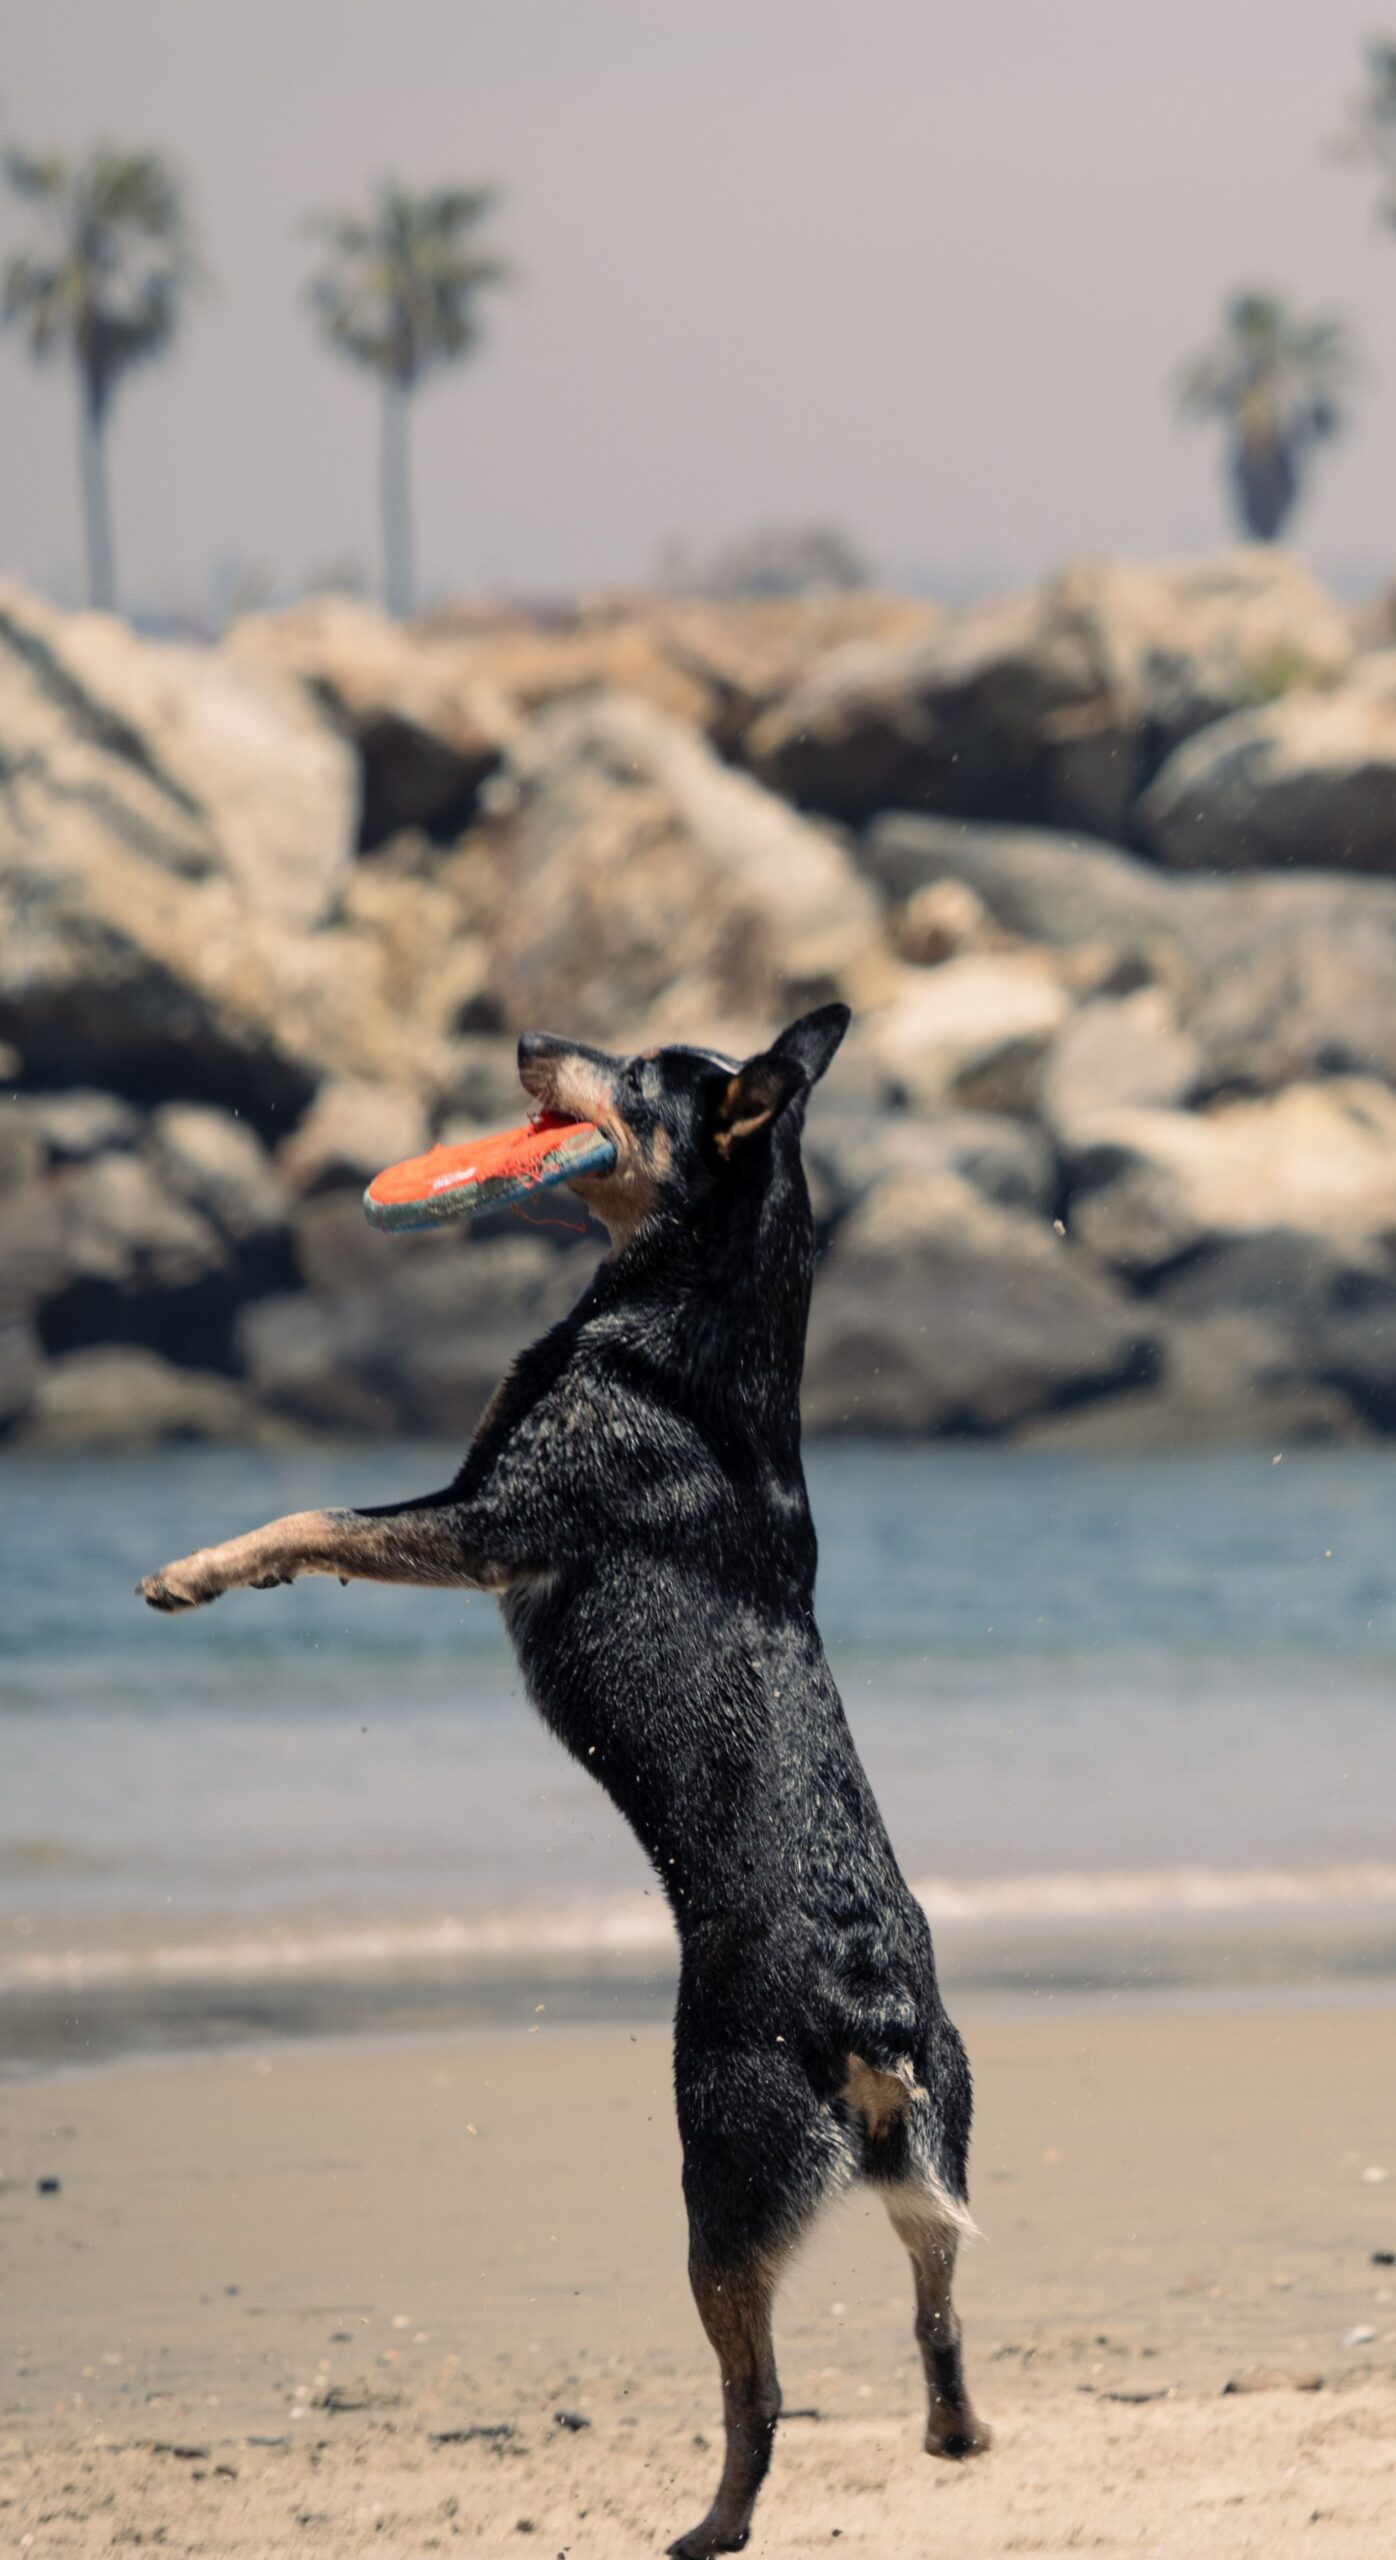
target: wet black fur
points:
(646, 1454)
(636, 1496)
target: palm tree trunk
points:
(96, 512)
(1267, 484)
(397, 504)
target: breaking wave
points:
(635, 1927)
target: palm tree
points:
(1277, 383)
(105, 284)
(399, 292)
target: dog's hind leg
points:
(916, 2210)
(760, 2153)
(734, 2305)
(899, 2159)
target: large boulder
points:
(1285, 1305)
(422, 1350)
(1228, 1380)
(427, 726)
(715, 663)
(351, 1132)
(850, 1154)
(1310, 780)
(154, 1238)
(174, 833)
(1045, 887)
(1056, 706)
(204, 765)
(974, 1030)
(648, 880)
(219, 1167)
(110, 1397)
(1116, 1052)
(1275, 979)
(939, 1311)
(1150, 1187)
(21, 1367)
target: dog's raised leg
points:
(734, 2305)
(952, 2429)
(437, 1542)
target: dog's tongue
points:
(486, 1173)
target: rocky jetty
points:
(1107, 873)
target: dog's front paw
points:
(177, 1586)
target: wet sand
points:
(277, 2291)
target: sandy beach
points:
(430, 2295)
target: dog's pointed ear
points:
(760, 1091)
(812, 1041)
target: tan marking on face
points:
(577, 1090)
(626, 1197)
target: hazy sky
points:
(920, 268)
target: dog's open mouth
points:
(486, 1173)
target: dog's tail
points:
(905, 2081)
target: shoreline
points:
(1184, 1961)
(276, 2290)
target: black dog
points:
(635, 1496)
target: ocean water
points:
(1131, 1720)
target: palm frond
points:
(398, 289)
(116, 264)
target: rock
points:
(941, 920)
(952, 722)
(153, 942)
(33, 1247)
(219, 1166)
(939, 1312)
(351, 1132)
(849, 1155)
(424, 1351)
(1272, 2378)
(122, 1226)
(109, 1397)
(1148, 1187)
(1308, 780)
(650, 882)
(1277, 980)
(480, 1084)
(975, 1029)
(427, 727)
(1116, 1052)
(216, 766)
(21, 1361)
(712, 663)
(21, 1147)
(1056, 889)
(337, 1251)
(72, 1128)
(1284, 980)
(1057, 706)
(1320, 1309)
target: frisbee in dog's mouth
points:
(486, 1173)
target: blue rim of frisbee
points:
(465, 1196)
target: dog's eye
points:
(633, 1078)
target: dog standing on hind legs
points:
(635, 1497)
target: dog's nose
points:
(534, 1046)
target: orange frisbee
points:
(486, 1173)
